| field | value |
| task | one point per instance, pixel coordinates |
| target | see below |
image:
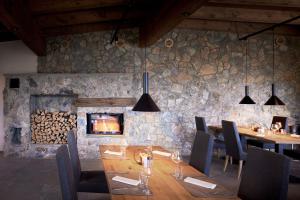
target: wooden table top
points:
(273, 138)
(161, 182)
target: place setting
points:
(197, 185)
(131, 183)
(159, 153)
(115, 151)
(201, 186)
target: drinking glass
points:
(176, 158)
(123, 151)
(294, 129)
(145, 175)
(282, 131)
(142, 179)
(178, 172)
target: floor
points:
(36, 179)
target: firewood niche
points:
(51, 127)
(52, 117)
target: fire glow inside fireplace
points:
(105, 123)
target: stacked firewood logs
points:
(51, 127)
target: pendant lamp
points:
(247, 99)
(274, 100)
(146, 103)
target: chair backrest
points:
(265, 176)
(202, 152)
(282, 120)
(232, 139)
(73, 150)
(201, 124)
(65, 173)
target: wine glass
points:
(279, 126)
(273, 128)
(176, 158)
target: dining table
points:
(279, 139)
(163, 185)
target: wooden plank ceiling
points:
(34, 20)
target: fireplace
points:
(105, 123)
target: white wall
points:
(2, 85)
(15, 58)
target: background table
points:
(278, 139)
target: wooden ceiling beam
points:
(55, 6)
(244, 15)
(92, 27)
(237, 27)
(88, 16)
(39, 7)
(275, 3)
(17, 19)
(239, 4)
(170, 15)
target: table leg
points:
(279, 148)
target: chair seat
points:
(93, 181)
(90, 175)
(219, 144)
(260, 144)
(293, 153)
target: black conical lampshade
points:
(274, 100)
(146, 103)
(247, 99)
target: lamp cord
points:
(145, 68)
(273, 55)
(247, 61)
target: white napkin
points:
(113, 152)
(126, 180)
(200, 183)
(295, 135)
(260, 135)
(161, 153)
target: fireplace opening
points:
(105, 123)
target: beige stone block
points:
(208, 69)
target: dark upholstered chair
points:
(264, 145)
(67, 181)
(202, 152)
(65, 173)
(233, 145)
(86, 181)
(292, 153)
(265, 176)
(201, 126)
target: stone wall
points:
(18, 102)
(202, 74)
